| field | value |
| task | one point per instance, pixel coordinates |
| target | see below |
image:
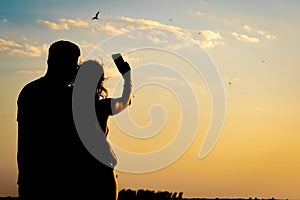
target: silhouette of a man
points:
(52, 161)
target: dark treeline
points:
(148, 195)
(142, 194)
(128, 194)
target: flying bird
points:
(96, 16)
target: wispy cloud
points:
(211, 39)
(247, 28)
(86, 46)
(266, 34)
(258, 35)
(245, 38)
(114, 26)
(64, 24)
(4, 44)
(30, 50)
(37, 72)
(112, 30)
(121, 24)
(145, 23)
(23, 49)
(53, 25)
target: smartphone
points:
(118, 59)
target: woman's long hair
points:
(101, 90)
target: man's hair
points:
(62, 52)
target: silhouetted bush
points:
(142, 194)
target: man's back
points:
(52, 160)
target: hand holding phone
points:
(122, 66)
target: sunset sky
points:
(183, 54)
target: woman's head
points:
(101, 91)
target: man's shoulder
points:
(30, 87)
(33, 84)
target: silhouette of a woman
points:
(106, 107)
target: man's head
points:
(63, 61)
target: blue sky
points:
(26, 12)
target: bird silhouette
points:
(96, 16)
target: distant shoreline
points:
(250, 198)
(165, 195)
